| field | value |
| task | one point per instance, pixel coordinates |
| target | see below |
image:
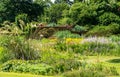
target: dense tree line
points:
(80, 12)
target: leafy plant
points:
(19, 48)
(65, 34)
(27, 66)
(92, 70)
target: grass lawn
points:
(6, 74)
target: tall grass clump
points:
(19, 48)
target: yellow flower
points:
(73, 40)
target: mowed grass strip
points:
(9, 74)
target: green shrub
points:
(26, 66)
(41, 67)
(5, 55)
(61, 46)
(80, 28)
(99, 31)
(108, 18)
(114, 28)
(109, 30)
(59, 61)
(92, 70)
(64, 21)
(52, 25)
(66, 65)
(65, 34)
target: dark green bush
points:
(108, 18)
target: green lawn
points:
(6, 74)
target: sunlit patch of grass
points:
(6, 74)
(109, 61)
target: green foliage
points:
(52, 25)
(81, 13)
(9, 11)
(97, 70)
(115, 38)
(66, 65)
(99, 31)
(61, 46)
(4, 55)
(19, 48)
(89, 46)
(111, 29)
(64, 21)
(21, 20)
(59, 61)
(65, 34)
(80, 28)
(108, 18)
(50, 64)
(55, 14)
(26, 66)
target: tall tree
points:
(11, 8)
(56, 10)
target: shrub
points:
(92, 70)
(111, 29)
(59, 61)
(65, 34)
(4, 55)
(80, 28)
(26, 66)
(107, 18)
(114, 28)
(40, 66)
(66, 65)
(60, 46)
(99, 31)
(52, 25)
(64, 21)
